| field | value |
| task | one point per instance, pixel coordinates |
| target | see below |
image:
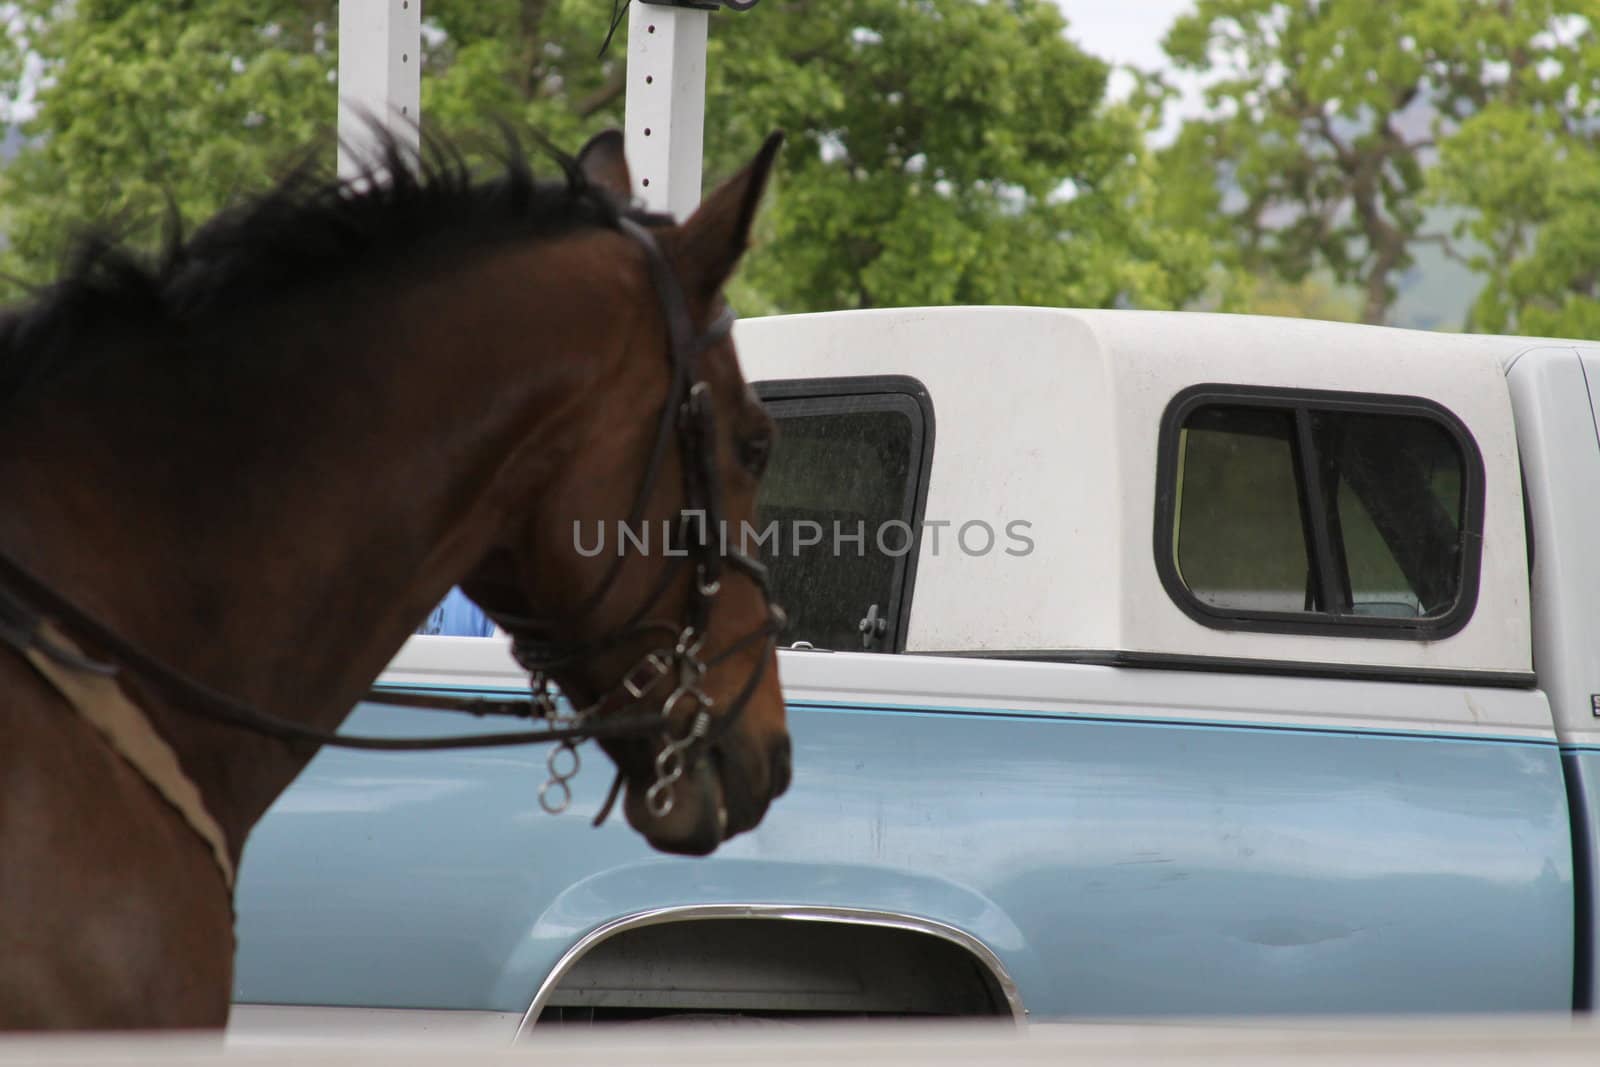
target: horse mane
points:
(309, 228)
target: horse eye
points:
(754, 453)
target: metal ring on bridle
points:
(689, 644)
(658, 798)
(554, 757)
(669, 768)
(555, 807)
(670, 705)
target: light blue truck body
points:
(1122, 830)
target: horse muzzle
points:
(724, 793)
(697, 821)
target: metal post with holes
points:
(664, 122)
(380, 46)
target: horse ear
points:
(603, 163)
(717, 234)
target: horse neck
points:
(275, 523)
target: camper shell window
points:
(1316, 512)
(839, 504)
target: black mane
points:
(308, 229)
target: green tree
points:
(945, 151)
(1330, 116)
(941, 150)
(1527, 171)
(143, 102)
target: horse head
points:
(662, 612)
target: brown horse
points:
(239, 473)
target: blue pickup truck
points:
(1140, 664)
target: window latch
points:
(873, 627)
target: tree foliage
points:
(940, 150)
(946, 151)
(1526, 169)
(1340, 123)
(143, 105)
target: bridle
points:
(28, 604)
(702, 539)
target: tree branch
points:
(1446, 245)
(603, 96)
(1347, 159)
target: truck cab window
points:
(1298, 511)
(837, 510)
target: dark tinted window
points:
(836, 514)
(1398, 485)
(1333, 511)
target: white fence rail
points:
(1463, 1042)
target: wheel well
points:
(774, 966)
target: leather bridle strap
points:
(684, 350)
(688, 408)
(27, 629)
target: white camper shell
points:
(1064, 409)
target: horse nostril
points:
(781, 766)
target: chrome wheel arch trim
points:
(795, 913)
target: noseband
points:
(28, 607)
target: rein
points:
(31, 610)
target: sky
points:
(1123, 31)
(1129, 32)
